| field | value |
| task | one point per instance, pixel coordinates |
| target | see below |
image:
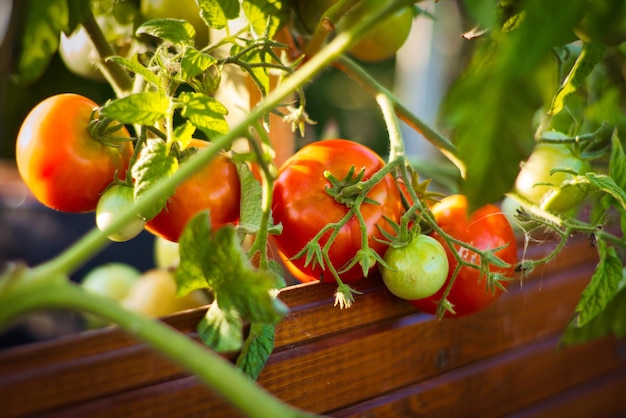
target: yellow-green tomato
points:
(178, 9)
(154, 295)
(166, 253)
(417, 270)
(115, 200)
(536, 183)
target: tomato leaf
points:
(251, 211)
(610, 320)
(205, 112)
(177, 32)
(590, 55)
(602, 287)
(135, 67)
(153, 164)
(194, 62)
(266, 17)
(40, 40)
(139, 108)
(256, 349)
(215, 260)
(222, 330)
(217, 13)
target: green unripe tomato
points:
(417, 270)
(114, 200)
(535, 183)
(178, 9)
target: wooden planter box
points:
(381, 358)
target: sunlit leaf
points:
(205, 112)
(222, 330)
(40, 40)
(141, 108)
(266, 17)
(175, 31)
(217, 13)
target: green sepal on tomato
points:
(215, 187)
(487, 228)
(61, 163)
(302, 205)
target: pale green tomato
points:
(154, 295)
(112, 280)
(417, 270)
(114, 200)
(178, 9)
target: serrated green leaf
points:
(205, 113)
(194, 62)
(177, 32)
(589, 57)
(222, 330)
(139, 108)
(184, 133)
(153, 164)
(611, 320)
(256, 349)
(40, 40)
(217, 13)
(602, 287)
(217, 261)
(266, 17)
(135, 67)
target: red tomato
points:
(215, 187)
(64, 167)
(303, 207)
(486, 228)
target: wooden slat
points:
(501, 384)
(601, 397)
(352, 367)
(380, 344)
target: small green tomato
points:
(113, 201)
(417, 270)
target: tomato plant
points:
(604, 21)
(485, 229)
(415, 270)
(540, 178)
(215, 187)
(302, 204)
(112, 202)
(112, 280)
(59, 160)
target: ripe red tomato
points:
(215, 187)
(303, 207)
(64, 167)
(486, 228)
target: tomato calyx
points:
(346, 191)
(104, 129)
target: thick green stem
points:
(115, 74)
(396, 143)
(196, 358)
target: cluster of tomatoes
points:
(75, 162)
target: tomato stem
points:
(357, 73)
(116, 75)
(210, 367)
